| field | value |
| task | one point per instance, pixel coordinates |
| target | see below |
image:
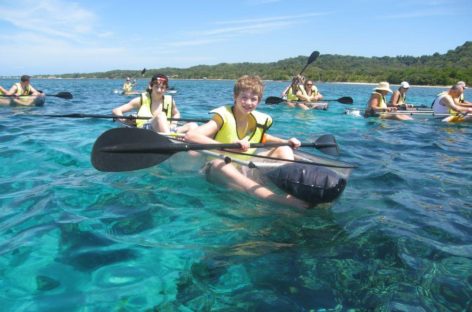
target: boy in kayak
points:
(242, 124)
(377, 106)
(156, 105)
(23, 87)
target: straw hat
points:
(404, 85)
(383, 86)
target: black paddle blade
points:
(105, 159)
(143, 71)
(313, 57)
(346, 100)
(310, 60)
(274, 100)
(327, 144)
(64, 95)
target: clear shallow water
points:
(75, 239)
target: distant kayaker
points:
(128, 86)
(290, 91)
(310, 92)
(156, 105)
(241, 123)
(398, 98)
(446, 102)
(377, 106)
(23, 87)
(293, 92)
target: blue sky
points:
(58, 36)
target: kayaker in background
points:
(377, 106)
(23, 87)
(446, 102)
(309, 92)
(293, 91)
(156, 105)
(398, 98)
(242, 124)
(128, 85)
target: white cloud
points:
(55, 18)
(293, 18)
(245, 26)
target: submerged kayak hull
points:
(313, 181)
(23, 100)
(318, 105)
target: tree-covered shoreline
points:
(436, 69)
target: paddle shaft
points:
(418, 113)
(124, 149)
(252, 165)
(174, 148)
(79, 115)
(277, 100)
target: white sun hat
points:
(404, 85)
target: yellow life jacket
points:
(145, 108)
(228, 132)
(371, 112)
(382, 102)
(314, 91)
(127, 87)
(290, 95)
(21, 91)
(402, 98)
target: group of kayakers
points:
(23, 87)
(448, 102)
(301, 93)
(238, 122)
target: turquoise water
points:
(75, 239)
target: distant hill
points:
(436, 69)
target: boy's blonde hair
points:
(249, 83)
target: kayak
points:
(312, 179)
(317, 105)
(418, 114)
(429, 112)
(23, 100)
(131, 93)
(313, 105)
